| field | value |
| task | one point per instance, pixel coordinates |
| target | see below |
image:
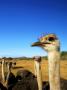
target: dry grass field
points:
(29, 65)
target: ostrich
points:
(2, 87)
(3, 76)
(51, 44)
(35, 72)
(10, 79)
(9, 66)
(25, 81)
(38, 71)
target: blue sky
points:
(24, 21)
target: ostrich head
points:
(48, 42)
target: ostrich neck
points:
(38, 74)
(9, 71)
(3, 77)
(54, 69)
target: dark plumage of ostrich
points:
(11, 81)
(2, 87)
(25, 81)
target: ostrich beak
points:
(39, 43)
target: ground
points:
(29, 65)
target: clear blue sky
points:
(24, 21)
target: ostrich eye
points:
(51, 38)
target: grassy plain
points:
(29, 65)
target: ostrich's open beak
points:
(39, 43)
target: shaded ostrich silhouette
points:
(51, 44)
(25, 80)
(2, 87)
(10, 79)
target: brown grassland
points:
(29, 65)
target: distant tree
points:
(64, 55)
(10, 58)
(4, 58)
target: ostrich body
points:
(25, 81)
(38, 71)
(51, 44)
(2, 87)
